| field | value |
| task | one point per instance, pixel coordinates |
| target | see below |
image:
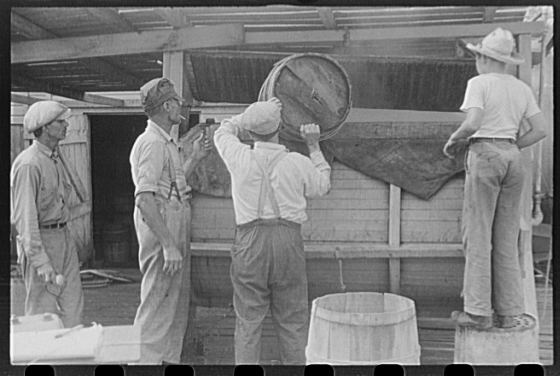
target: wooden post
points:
(394, 237)
(174, 69)
(524, 73)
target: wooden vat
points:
(363, 329)
(313, 88)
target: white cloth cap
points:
(261, 117)
(42, 113)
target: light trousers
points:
(164, 299)
(69, 305)
(493, 187)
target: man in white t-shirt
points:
(495, 103)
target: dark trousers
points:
(268, 271)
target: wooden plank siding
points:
(355, 210)
(437, 220)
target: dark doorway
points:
(112, 138)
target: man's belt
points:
(491, 139)
(54, 225)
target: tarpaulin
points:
(408, 155)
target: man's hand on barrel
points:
(173, 260)
(310, 133)
(276, 101)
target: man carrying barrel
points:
(162, 218)
(269, 186)
(40, 193)
(495, 103)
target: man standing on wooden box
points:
(269, 189)
(162, 217)
(495, 103)
(40, 191)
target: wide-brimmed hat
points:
(156, 92)
(262, 118)
(498, 45)
(42, 113)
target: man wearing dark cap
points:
(39, 211)
(269, 189)
(162, 218)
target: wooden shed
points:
(366, 234)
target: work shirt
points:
(294, 177)
(505, 101)
(149, 160)
(40, 192)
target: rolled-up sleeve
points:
(234, 153)
(24, 196)
(150, 161)
(318, 180)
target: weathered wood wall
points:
(364, 235)
(435, 221)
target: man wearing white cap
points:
(39, 211)
(495, 103)
(162, 217)
(269, 189)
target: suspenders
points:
(173, 178)
(266, 186)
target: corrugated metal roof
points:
(376, 82)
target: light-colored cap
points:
(157, 92)
(261, 117)
(498, 45)
(42, 113)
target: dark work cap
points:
(157, 92)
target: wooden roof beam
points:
(110, 16)
(33, 31)
(127, 43)
(327, 17)
(28, 28)
(173, 16)
(488, 14)
(112, 72)
(16, 98)
(363, 35)
(51, 88)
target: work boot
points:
(506, 321)
(466, 319)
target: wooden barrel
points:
(115, 244)
(365, 328)
(313, 88)
(511, 346)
